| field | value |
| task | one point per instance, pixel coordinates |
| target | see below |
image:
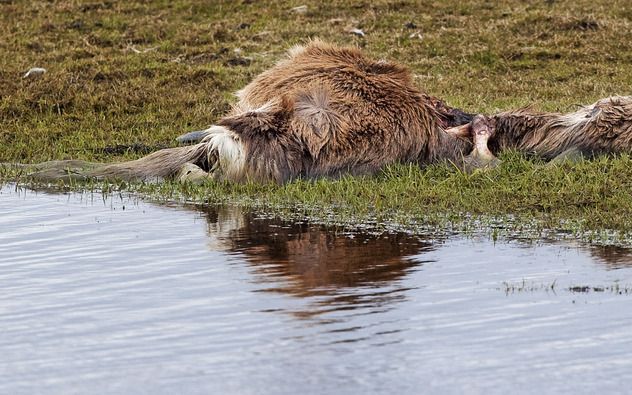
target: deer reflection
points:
(612, 256)
(310, 260)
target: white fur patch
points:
(577, 117)
(295, 51)
(229, 150)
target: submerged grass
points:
(125, 76)
(524, 286)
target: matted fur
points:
(322, 111)
(326, 111)
(603, 127)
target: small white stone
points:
(357, 32)
(34, 72)
(301, 9)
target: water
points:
(118, 295)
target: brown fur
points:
(331, 110)
(326, 111)
(603, 127)
(323, 111)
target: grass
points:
(523, 286)
(124, 75)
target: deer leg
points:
(192, 173)
(58, 170)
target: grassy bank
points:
(127, 77)
(522, 198)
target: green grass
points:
(124, 73)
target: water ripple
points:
(115, 295)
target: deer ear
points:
(463, 131)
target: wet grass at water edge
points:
(522, 198)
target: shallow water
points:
(117, 295)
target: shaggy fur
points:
(603, 127)
(325, 111)
(321, 112)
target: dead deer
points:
(323, 111)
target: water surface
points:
(117, 295)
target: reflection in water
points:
(113, 294)
(317, 259)
(347, 270)
(613, 256)
(303, 259)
